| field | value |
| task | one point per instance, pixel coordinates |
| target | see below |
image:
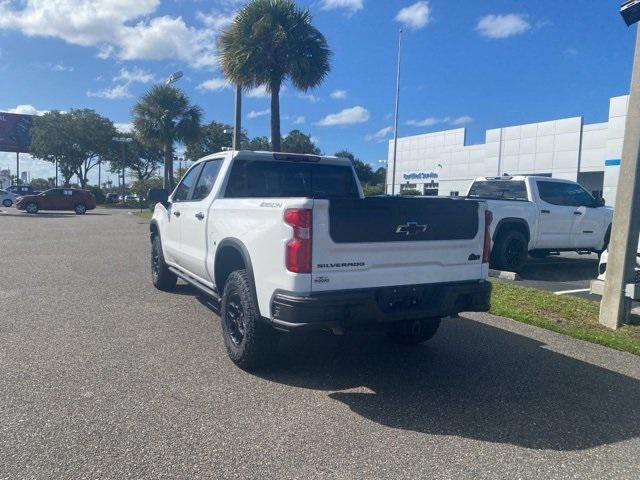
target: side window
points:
(207, 179)
(68, 193)
(54, 193)
(564, 194)
(182, 193)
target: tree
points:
(258, 144)
(270, 42)
(40, 184)
(379, 176)
(52, 141)
(162, 117)
(212, 139)
(363, 170)
(77, 141)
(142, 187)
(143, 161)
(92, 139)
(298, 142)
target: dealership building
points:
(441, 163)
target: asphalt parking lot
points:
(101, 376)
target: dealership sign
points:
(420, 176)
(14, 132)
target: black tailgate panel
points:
(394, 219)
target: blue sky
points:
(466, 63)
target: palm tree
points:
(269, 42)
(162, 117)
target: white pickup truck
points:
(539, 216)
(287, 242)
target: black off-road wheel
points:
(161, 276)
(510, 251)
(250, 342)
(415, 332)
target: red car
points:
(58, 199)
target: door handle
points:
(200, 216)
(545, 211)
(176, 213)
(577, 213)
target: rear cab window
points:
(499, 190)
(282, 179)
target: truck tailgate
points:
(379, 242)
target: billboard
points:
(14, 132)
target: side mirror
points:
(600, 202)
(158, 195)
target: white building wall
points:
(560, 148)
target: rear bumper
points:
(377, 307)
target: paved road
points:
(103, 377)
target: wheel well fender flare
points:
(221, 271)
(518, 224)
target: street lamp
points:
(174, 77)
(123, 141)
(616, 307)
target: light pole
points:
(123, 141)
(615, 307)
(395, 135)
(237, 122)
(173, 78)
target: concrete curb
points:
(511, 276)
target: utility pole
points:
(395, 136)
(615, 307)
(17, 168)
(237, 128)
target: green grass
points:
(571, 316)
(144, 214)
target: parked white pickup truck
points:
(287, 242)
(540, 216)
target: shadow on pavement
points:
(473, 381)
(560, 269)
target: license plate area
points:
(405, 299)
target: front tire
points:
(161, 276)
(7, 203)
(510, 251)
(415, 332)
(32, 208)
(249, 342)
(80, 209)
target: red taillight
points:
(298, 254)
(488, 220)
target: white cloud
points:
(339, 94)
(351, 5)
(214, 85)
(464, 120)
(60, 67)
(309, 96)
(123, 127)
(431, 121)
(216, 20)
(117, 92)
(256, 114)
(348, 116)
(125, 29)
(503, 26)
(258, 92)
(415, 16)
(26, 110)
(427, 122)
(380, 135)
(135, 75)
(299, 120)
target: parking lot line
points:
(568, 292)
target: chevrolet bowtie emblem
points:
(411, 228)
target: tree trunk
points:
(275, 117)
